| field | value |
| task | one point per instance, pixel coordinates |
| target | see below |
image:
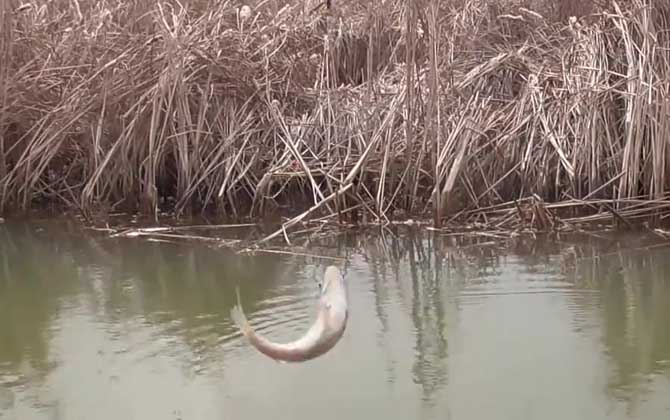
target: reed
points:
(367, 111)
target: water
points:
(92, 327)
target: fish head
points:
(333, 278)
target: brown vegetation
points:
(448, 109)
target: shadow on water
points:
(428, 294)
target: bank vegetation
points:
(505, 112)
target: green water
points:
(100, 328)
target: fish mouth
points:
(323, 286)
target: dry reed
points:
(369, 111)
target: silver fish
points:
(325, 332)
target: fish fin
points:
(237, 314)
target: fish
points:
(332, 314)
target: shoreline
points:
(523, 220)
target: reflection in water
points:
(441, 327)
(634, 291)
(428, 316)
(34, 279)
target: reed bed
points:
(363, 112)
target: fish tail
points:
(237, 314)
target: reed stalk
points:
(376, 110)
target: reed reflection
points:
(427, 295)
(633, 309)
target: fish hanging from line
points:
(325, 332)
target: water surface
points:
(111, 328)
